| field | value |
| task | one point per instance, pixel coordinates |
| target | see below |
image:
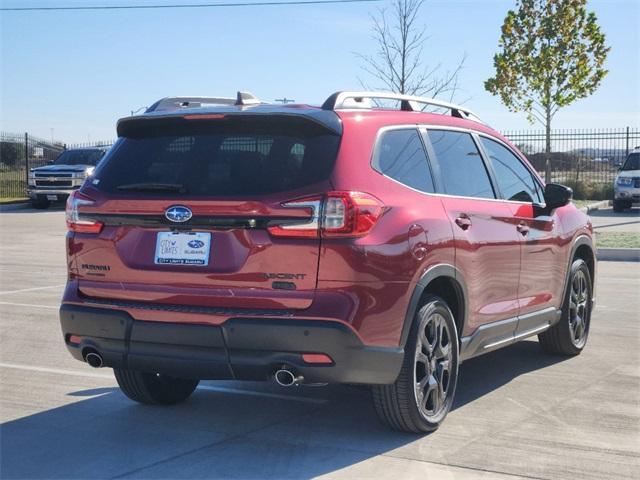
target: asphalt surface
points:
(606, 220)
(518, 412)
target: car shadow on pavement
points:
(231, 430)
(26, 208)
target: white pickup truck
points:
(627, 184)
(66, 173)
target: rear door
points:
(487, 248)
(239, 246)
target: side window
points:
(515, 181)
(461, 166)
(400, 155)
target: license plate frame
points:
(52, 198)
(192, 249)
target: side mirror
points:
(556, 195)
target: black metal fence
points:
(586, 160)
(20, 152)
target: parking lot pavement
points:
(518, 412)
(606, 220)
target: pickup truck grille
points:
(54, 180)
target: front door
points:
(544, 260)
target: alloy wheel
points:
(579, 309)
(432, 367)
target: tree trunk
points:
(547, 148)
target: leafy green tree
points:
(552, 53)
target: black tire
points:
(569, 335)
(40, 203)
(154, 389)
(619, 206)
(397, 404)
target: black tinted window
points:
(400, 155)
(79, 157)
(461, 166)
(242, 160)
(514, 179)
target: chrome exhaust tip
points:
(286, 378)
(94, 359)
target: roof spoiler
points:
(171, 104)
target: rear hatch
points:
(192, 213)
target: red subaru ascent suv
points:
(365, 241)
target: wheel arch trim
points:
(433, 273)
(579, 241)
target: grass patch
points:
(617, 239)
(12, 184)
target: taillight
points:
(74, 224)
(337, 214)
(305, 228)
(350, 214)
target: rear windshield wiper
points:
(153, 187)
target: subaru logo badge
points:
(178, 214)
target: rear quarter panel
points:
(380, 270)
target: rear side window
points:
(515, 181)
(238, 159)
(461, 166)
(400, 155)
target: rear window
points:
(212, 160)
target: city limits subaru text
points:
(365, 241)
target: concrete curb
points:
(619, 254)
(596, 206)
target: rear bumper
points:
(240, 348)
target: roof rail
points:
(339, 100)
(176, 103)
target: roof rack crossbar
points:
(408, 103)
(176, 103)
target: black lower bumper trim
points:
(241, 348)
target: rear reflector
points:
(317, 358)
(75, 339)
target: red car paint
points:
(512, 262)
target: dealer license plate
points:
(183, 248)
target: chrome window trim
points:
(423, 127)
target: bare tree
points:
(397, 63)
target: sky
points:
(72, 74)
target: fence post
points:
(626, 154)
(26, 158)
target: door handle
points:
(523, 228)
(463, 221)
